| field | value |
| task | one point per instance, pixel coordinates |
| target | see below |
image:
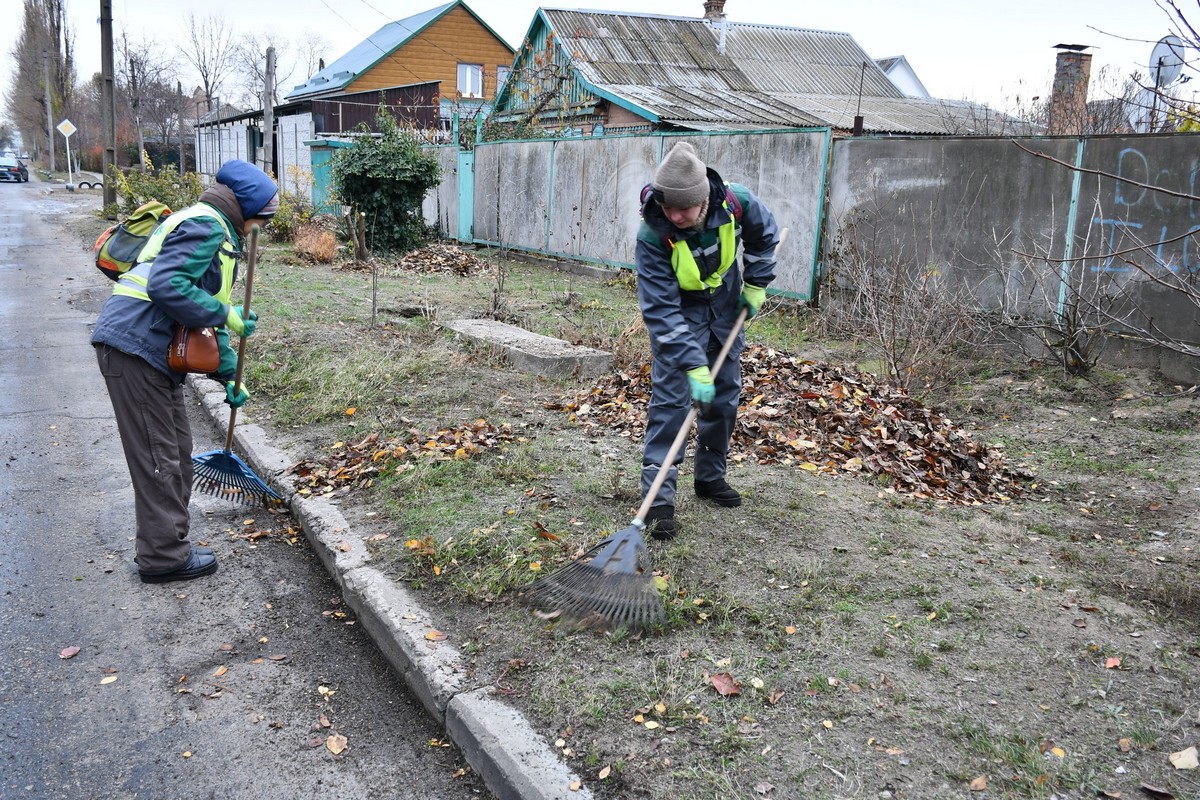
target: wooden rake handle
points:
(241, 356)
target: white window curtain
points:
(470, 80)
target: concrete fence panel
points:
(1145, 243)
(579, 198)
(983, 214)
(512, 194)
(440, 207)
(594, 211)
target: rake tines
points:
(608, 587)
(221, 473)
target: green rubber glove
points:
(752, 299)
(237, 323)
(703, 392)
(236, 397)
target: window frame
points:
(474, 74)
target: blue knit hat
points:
(253, 188)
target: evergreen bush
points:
(386, 177)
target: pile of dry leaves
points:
(355, 465)
(437, 257)
(827, 419)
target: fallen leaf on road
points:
(604, 773)
(436, 636)
(69, 652)
(1112, 663)
(979, 784)
(108, 679)
(335, 743)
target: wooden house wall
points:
(434, 55)
(415, 104)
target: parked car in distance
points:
(13, 169)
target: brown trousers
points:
(157, 440)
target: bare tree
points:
(210, 49)
(44, 46)
(310, 50)
(145, 80)
(296, 60)
(1150, 104)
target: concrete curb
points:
(514, 760)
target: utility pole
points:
(179, 114)
(268, 133)
(108, 104)
(49, 111)
(136, 102)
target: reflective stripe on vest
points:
(687, 272)
(133, 283)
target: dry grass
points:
(313, 243)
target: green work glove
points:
(236, 397)
(703, 392)
(752, 299)
(235, 320)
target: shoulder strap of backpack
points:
(735, 205)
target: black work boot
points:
(719, 492)
(660, 521)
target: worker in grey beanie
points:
(681, 179)
(691, 292)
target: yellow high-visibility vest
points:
(687, 272)
(133, 283)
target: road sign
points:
(66, 128)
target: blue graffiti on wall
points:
(1153, 222)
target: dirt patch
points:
(881, 644)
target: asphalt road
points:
(230, 686)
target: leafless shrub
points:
(1074, 307)
(1046, 310)
(892, 296)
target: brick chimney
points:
(714, 9)
(1068, 94)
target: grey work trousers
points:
(670, 399)
(157, 440)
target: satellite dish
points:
(1166, 60)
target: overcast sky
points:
(960, 49)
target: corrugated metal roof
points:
(732, 76)
(358, 59)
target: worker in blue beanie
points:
(184, 276)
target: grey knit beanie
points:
(682, 179)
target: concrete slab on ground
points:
(533, 352)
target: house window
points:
(501, 76)
(470, 80)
